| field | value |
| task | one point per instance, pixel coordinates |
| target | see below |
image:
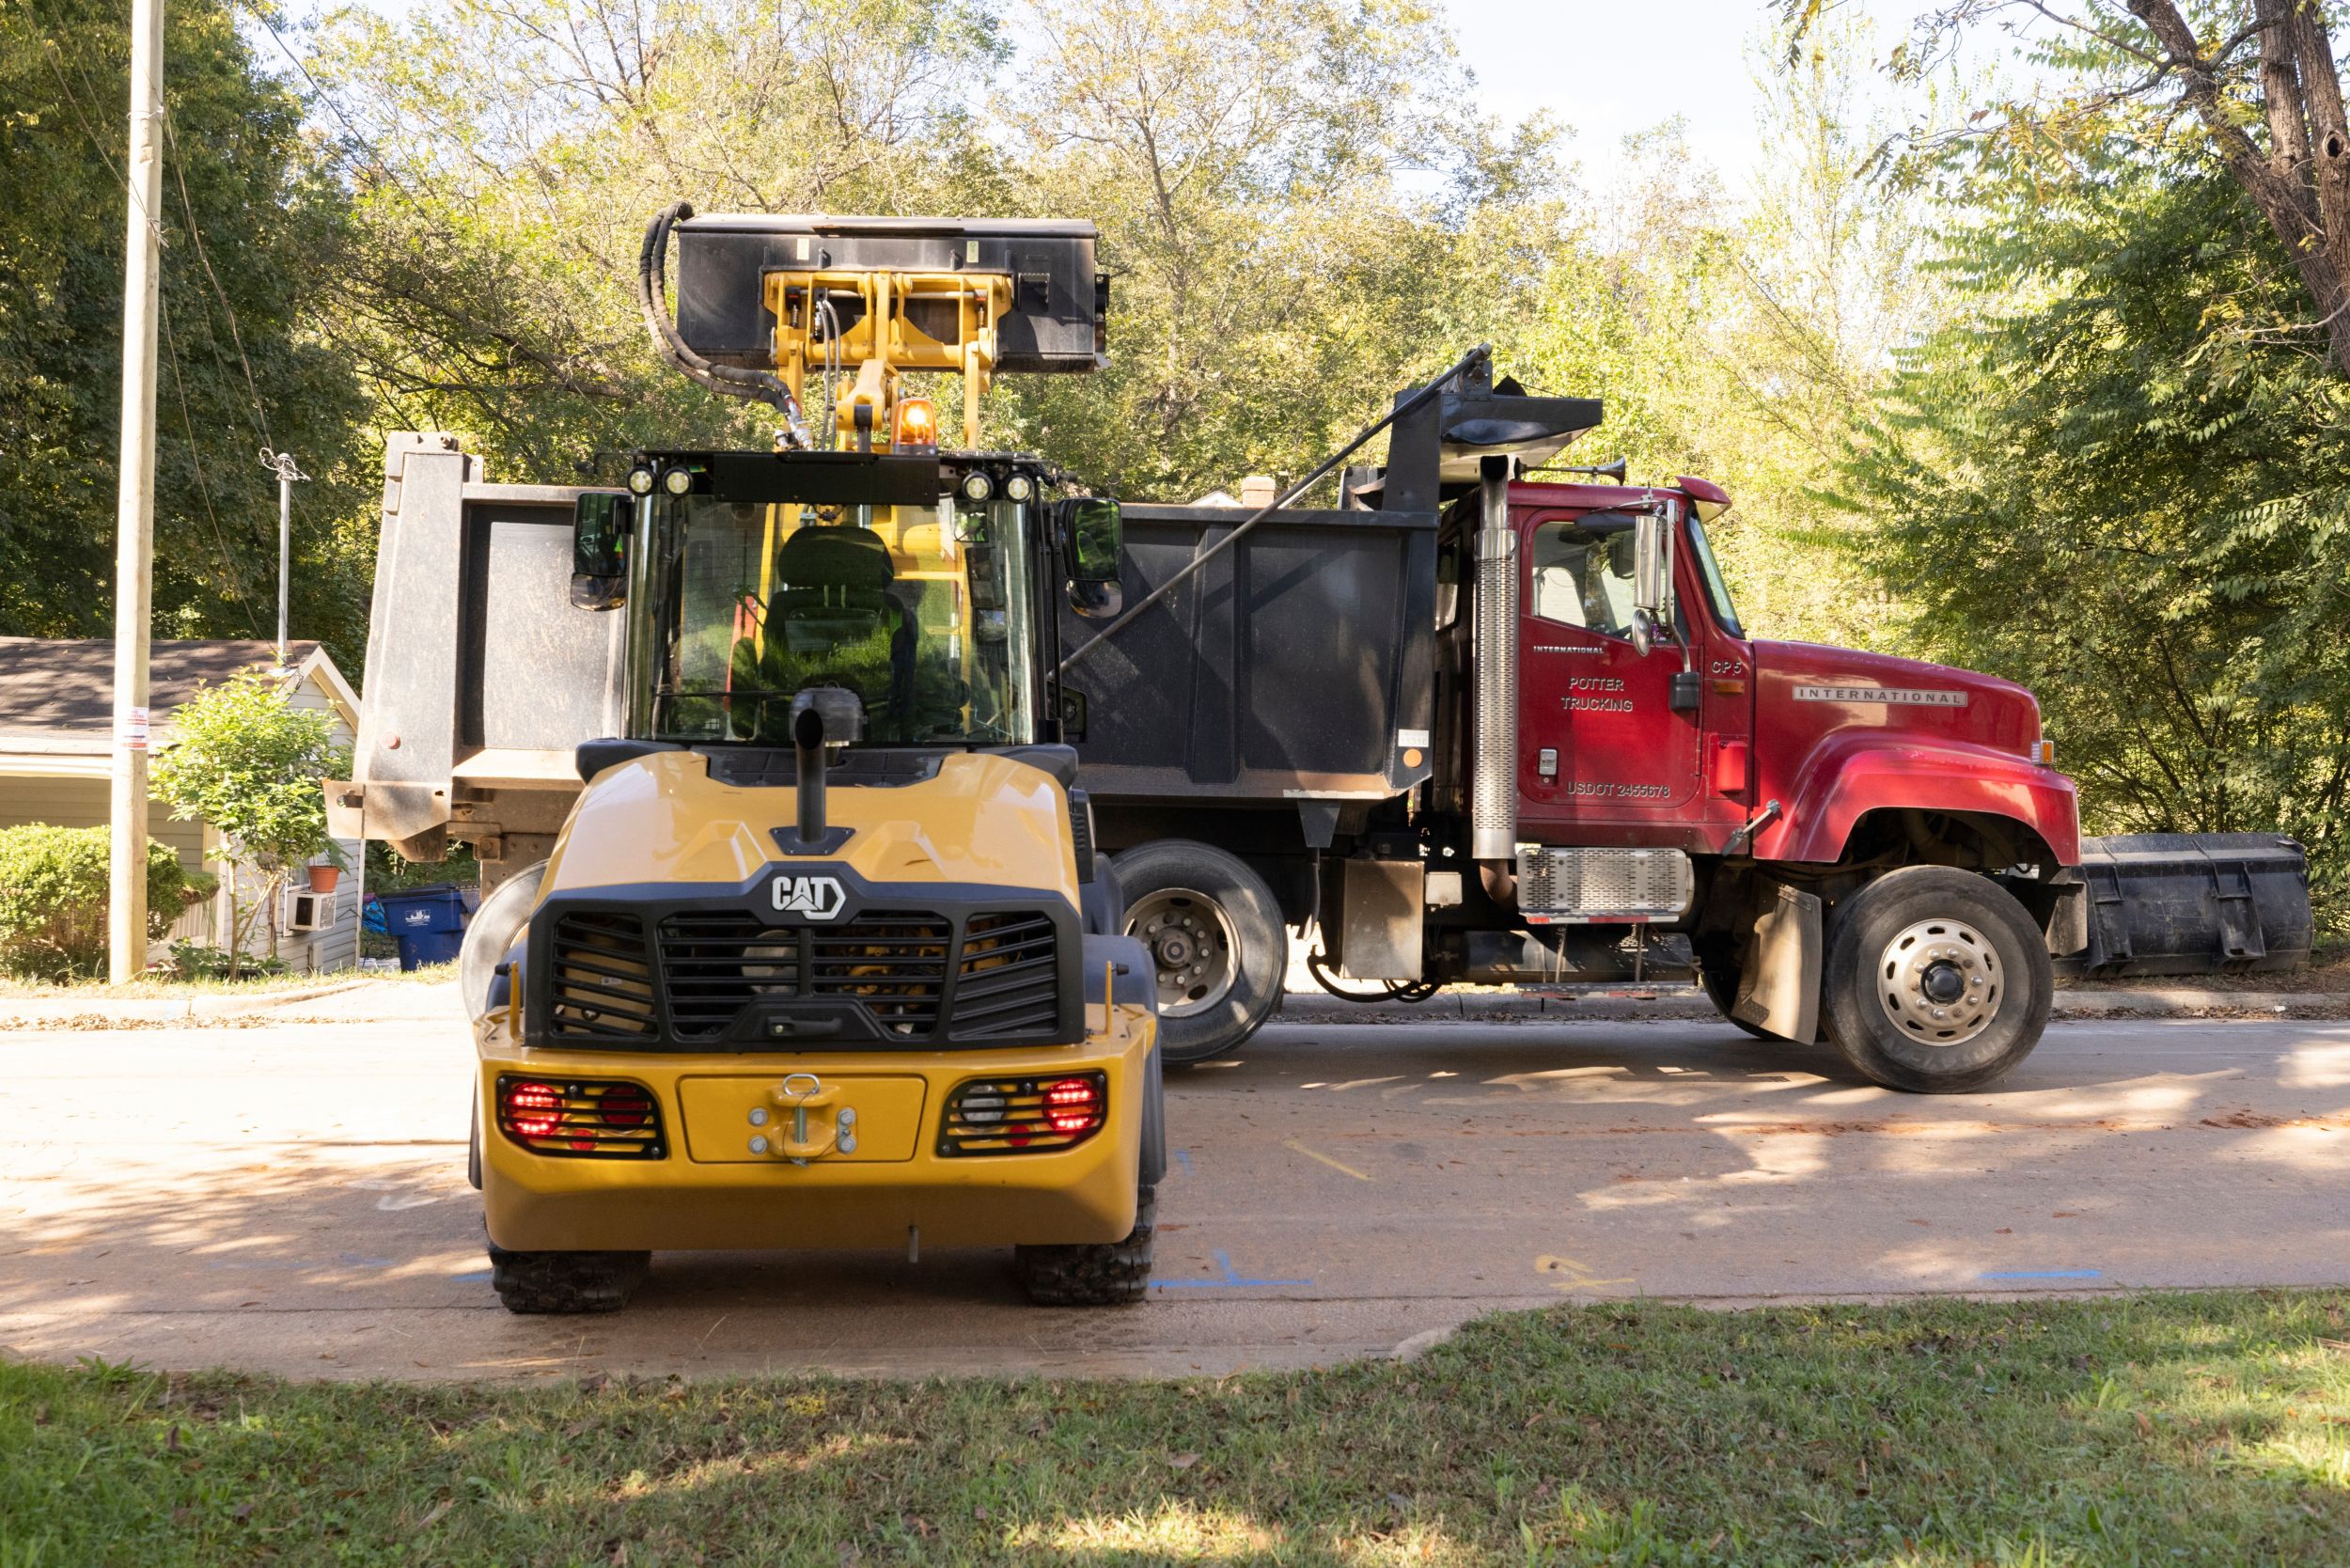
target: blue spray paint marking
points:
(2043, 1274)
(354, 1260)
(1183, 1158)
(474, 1279)
(1230, 1280)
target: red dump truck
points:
(1493, 721)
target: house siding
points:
(83, 799)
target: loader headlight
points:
(1019, 488)
(640, 480)
(977, 487)
(678, 482)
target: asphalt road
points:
(292, 1198)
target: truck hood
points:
(1806, 686)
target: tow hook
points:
(799, 1094)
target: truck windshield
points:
(925, 611)
(1716, 586)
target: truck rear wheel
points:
(567, 1282)
(1215, 938)
(1937, 981)
(1099, 1274)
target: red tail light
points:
(590, 1118)
(1073, 1105)
(1024, 1116)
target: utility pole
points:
(282, 464)
(134, 505)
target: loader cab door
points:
(1599, 741)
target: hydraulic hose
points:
(653, 284)
(1434, 388)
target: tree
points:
(2257, 78)
(246, 218)
(2121, 479)
(249, 762)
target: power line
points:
(179, 178)
(228, 560)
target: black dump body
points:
(1298, 665)
(1296, 661)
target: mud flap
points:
(1778, 977)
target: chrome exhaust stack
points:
(1494, 633)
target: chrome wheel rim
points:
(1192, 947)
(1940, 982)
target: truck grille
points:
(1007, 983)
(896, 962)
(601, 983)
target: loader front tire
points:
(533, 1282)
(1098, 1274)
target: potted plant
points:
(323, 876)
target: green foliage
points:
(2123, 478)
(193, 960)
(54, 884)
(249, 762)
(249, 222)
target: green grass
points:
(2208, 1429)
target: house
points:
(56, 761)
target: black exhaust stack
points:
(820, 716)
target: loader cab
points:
(921, 583)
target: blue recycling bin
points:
(429, 924)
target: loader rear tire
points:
(1937, 981)
(1215, 936)
(1098, 1274)
(533, 1282)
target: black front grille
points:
(715, 964)
(1007, 983)
(895, 964)
(599, 983)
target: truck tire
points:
(1721, 988)
(1216, 935)
(1096, 1274)
(1936, 981)
(534, 1282)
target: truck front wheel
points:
(1935, 982)
(1215, 938)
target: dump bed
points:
(1296, 665)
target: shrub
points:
(193, 960)
(246, 759)
(53, 899)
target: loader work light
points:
(1019, 488)
(678, 482)
(640, 480)
(977, 487)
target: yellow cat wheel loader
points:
(818, 953)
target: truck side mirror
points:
(599, 529)
(1651, 576)
(1093, 534)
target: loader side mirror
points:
(1093, 533)
(599, 528)
(1651, 576)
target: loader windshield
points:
(927, 612)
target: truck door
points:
(1598, 739)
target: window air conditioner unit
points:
(309, 911)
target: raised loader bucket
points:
(2195, 903)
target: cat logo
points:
(819, 898)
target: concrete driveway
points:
(291, 1198)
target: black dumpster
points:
(2195, 903)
